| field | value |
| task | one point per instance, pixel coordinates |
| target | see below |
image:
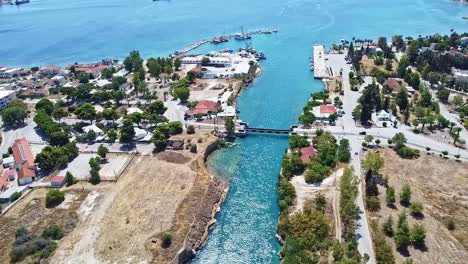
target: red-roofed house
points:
(204, 107)
(392, 85)
(307, 152)
(24, 161)
(322, 113)
(57, 181)
(50, 70)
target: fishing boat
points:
(218, 40)
(242, 35)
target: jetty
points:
(320, 69)
(199, 43)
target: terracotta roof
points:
(57, 179)
(205, 107)
(327, 109)
(307, 152)
(22, 151)
(26, 171)
(392, 84)
(8, 173)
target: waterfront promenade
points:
(320, 68)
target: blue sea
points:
(60, 32)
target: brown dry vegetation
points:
(442, 186)
(367, 65)
(32, 214)
(170, 192)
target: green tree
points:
(399, 140)
(94, 178)
(344, 154)
(159, 140)
(53, 232)
(387, 226)
(54, 197)
(405, 194)
(102, 151)
(296, 141)
(402, 99)
(86, 112)
(307, 118)
(373, 162)
(177, 63)
(58, 113)
(110, 114)
(69, 179)
(402, 236)
(229, 126)
(416, 208)
(457, 101)
(127, 132)
(418, 235)
(112, 135)
(14, 116)
(390, 195)
(45, 105)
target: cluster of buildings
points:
(18, 170)
(223, 65)
(36, 83)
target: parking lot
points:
(113, 167)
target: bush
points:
(54, 198)
(200, 140)
(408, 153)
(190, 129)
(15, 196)
(445, 153)
(416, 208)
(296, 141)
(94, 179)
(450, 224)
(193, 148)
(418, 235)
(53, 232)
(373, 203)
(166, 240)
(405, 194)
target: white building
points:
(59, 80)
(6, 96)
(6, 73)
(99, 133)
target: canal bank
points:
(84, 30)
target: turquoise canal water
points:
(62, 32)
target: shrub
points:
(54, 198)
(387, 226)
(418, 235)
(384, 124)
(407, 153)
(450, 224)
(166, 240)
(193, 148)
(416, 208)
(53, 232)
(95, 178)
(200, 140)
(15, 196)
(445, 153)
(428, 148)
(405, 194)
(190, 129)
(390, 195)
(373, 203)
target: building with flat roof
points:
(6, 96)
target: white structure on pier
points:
(320, 69)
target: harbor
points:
(220, 39)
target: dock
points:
(199, 43)
(320, 69)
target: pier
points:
(204, 41)
(320, 69)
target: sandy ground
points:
(306, 192)
(31, 213)
(203, 89)
(441, 185)
(113, 167)
(367, 65)
(122, 222)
